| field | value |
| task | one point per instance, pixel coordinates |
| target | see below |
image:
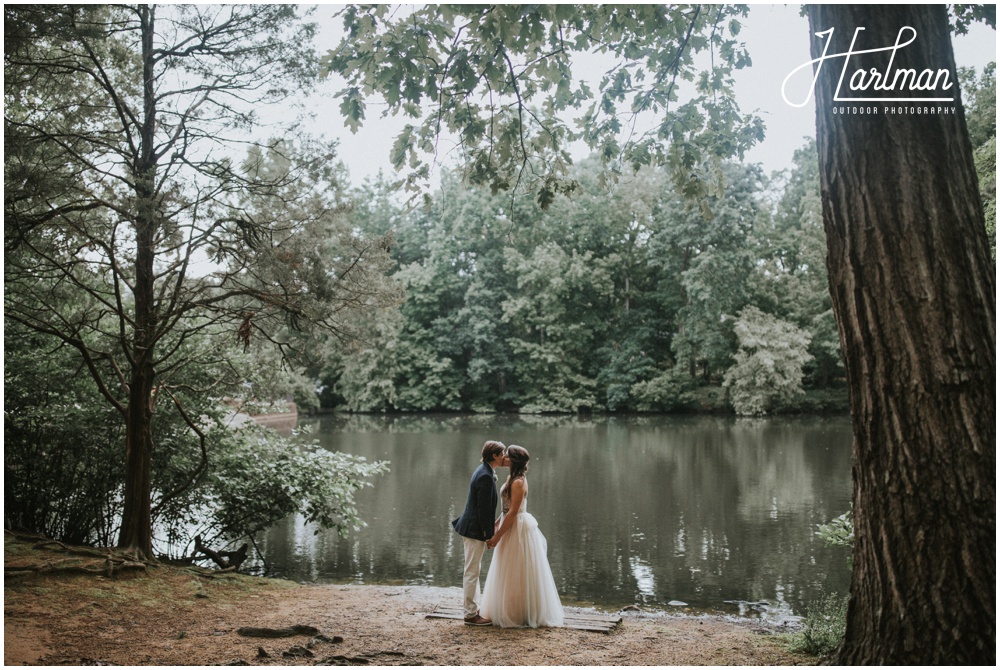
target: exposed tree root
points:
(206, 573)
(277, 632)
(111, 568)
(56, 545)
(109, 563)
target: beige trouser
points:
(474, 550)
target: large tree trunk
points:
(137, 526)
(913, 292)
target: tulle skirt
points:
(520, 590)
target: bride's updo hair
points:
(519, 458)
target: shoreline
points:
(176, 616)
(747, 613)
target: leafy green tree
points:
(365, 375)
(433, 339)
(456, 291)
(768, 365)
(962, 16)
(449, 349)
(979, 95)
(64, 477)
(551, 328)
(481, 302)
(707, 264)
(627, 362)
(139, 113)
(426, 378)
(986, 170)
(615, 224)
(470, 303)
(980, 99)
(792, 281)
(258, 478)
(669, 390)
(491, 371)
(500, 78)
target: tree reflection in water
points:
(642, 510)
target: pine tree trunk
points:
(913, 292)
(137, 530)
(137, 526)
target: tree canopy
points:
(608, 300)
(500, 79)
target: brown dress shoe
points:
(477, 621)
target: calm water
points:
(635, 510)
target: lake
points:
(717, 513)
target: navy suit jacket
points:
(479, 516)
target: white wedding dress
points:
(520, 590)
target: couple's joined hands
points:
(492, 542)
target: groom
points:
(476, 526)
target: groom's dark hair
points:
(491, 449)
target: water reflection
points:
(641, 510)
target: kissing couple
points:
(520, 590)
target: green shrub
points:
(664, 393)
(768, 365)
(259, 477)
(823, 627)
(62, 454)
(708, 399)
(839, 532)
(63, 448)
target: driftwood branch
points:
(227, 560)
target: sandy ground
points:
(171, 616)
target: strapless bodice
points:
(505, 499)
(505, 504)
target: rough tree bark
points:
(913, 292)
(137, 526)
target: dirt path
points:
(173, 617)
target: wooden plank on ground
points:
(591, 621)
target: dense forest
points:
(620, 298)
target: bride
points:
(520, 590)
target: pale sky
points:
(778, 41)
